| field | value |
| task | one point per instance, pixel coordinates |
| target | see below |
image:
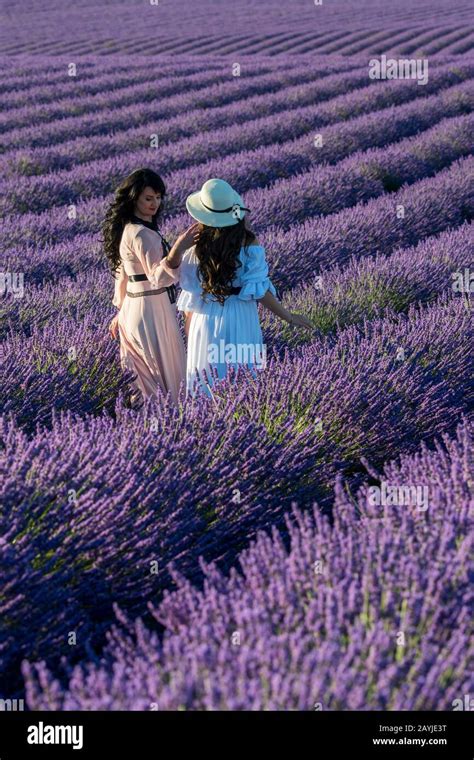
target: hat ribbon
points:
(234, 207)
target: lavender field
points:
(301, 540)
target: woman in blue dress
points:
(222, 277)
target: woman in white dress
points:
(222, 277)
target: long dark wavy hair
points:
(217, 251)
(122, 209)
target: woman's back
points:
(251, 276)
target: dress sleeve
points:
(190, 297)
(148, 248)
(255, 279)
(120, 287)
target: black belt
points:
(137, 277)
(170, 289)
(153, 292)
(234, 291)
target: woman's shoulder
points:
(135, 227)
(255, 243)
(139, 229)
(140, 234)
(252, 251)
(132, 229)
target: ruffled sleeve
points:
(121, 279)
(148, 249)
(254, 279)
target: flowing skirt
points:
(151, 345)
(228, 334)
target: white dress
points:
(224, 334)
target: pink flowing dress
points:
(151, 344)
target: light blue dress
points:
(224, 334)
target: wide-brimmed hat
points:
(216, 204)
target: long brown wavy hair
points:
(217, 251)
(122, 208)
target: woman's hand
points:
(188, 238)
(113, 327)
(184, 241)
(298, 320)
(274, 305)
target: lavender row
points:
(150, 91)
(390, 356)
(397, 219)
(66, 364)
(362, 176)
(214, 96)
(321, 190)
(21, 78)
(207, 476)
(86, 83)
(366, 288)
(247, 169)
(21, 72)
(189, 123)
(253, 110)
(131, 94)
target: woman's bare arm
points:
(274, 305)
(184, 241)
(187, 321)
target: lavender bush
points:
(143, 489)
(329, 618)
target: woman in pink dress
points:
(151, 344)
